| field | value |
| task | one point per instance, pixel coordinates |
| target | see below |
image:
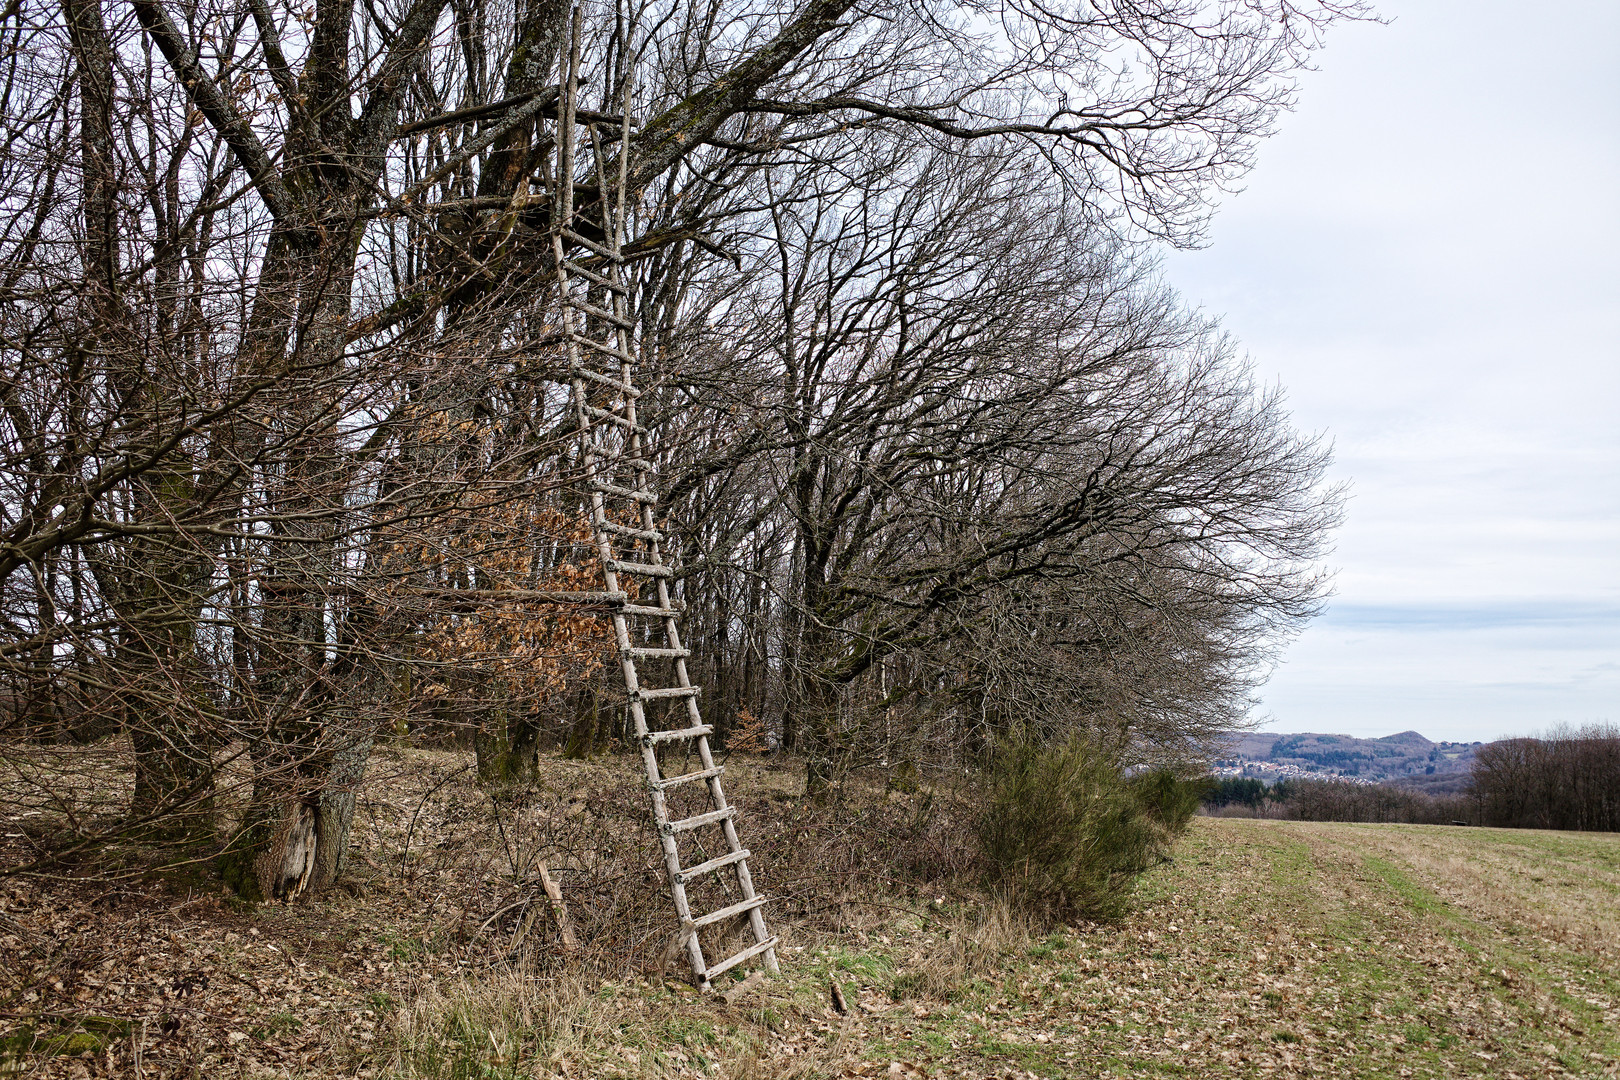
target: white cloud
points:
(1428, 258)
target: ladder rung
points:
(585, 272)
(601, 313)
(601, 347)
(640, 569)
(686, 778)
(747, 954)
(597, 377)
(668, 693)
(639, 652)
(719, 863)
(624, 492)
(653, 738)
(589, 245)
(652, 612)
(650, 535)
(670, 828)
(613, 418)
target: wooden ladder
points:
(621, 495)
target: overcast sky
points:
(1428, 259)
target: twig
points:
(405, 852)
(511, 859)
(487, 923)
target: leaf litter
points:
(1266, 948)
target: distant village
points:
(1407, 758)
(1272, 772)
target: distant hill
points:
(1406, 758)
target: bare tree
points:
(286, 452)
(978, 459)
(1565, 779)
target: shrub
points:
(1170, 801)
(1066, 832)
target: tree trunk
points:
(508, 749)
(295, 836)
(334, 813)
(585, 733)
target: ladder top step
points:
(653, 738)
(642, 569)
(650, 535)
(606, 380)
(687, 778)
(747, 954)
(601, 347)
(589, 245)
(601, 313)
(623, 492)
(727, 912)
(731, 858)
(614, 418)
(667, 693)
(586, 272)
(640, 652)
(607, 465)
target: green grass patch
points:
(55, 1037)
(1419, 899)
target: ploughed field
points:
(1264, 948)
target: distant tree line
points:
(1333, 800)
(1568, 779)
(1236, 791)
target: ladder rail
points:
(628, 450)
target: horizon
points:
(1370, 738)
(1545, 733)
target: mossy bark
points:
(508, 749)
(585, 734)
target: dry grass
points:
(428, 924)
(1561, 886)
(1267, 947)
(1297, 948)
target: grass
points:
(1265, 947)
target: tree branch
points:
(230, 124)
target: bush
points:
(1065, 831)
(1171, 802)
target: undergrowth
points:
(1065, 831)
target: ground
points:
(1304, 948)
(1264, 948)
